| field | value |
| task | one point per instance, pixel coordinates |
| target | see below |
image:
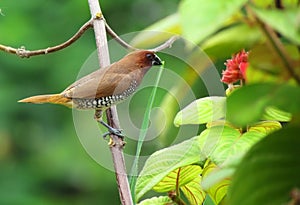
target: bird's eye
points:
(149, 56)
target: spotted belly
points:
(104, 102)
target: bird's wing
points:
(101, 83)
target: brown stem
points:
(175, 198)
(23, 53)
(278, 4)
(280, 50)
(112, 117)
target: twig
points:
(112, 117)
(166, 44)
(118, 39)
(123, 43)
(23, 53)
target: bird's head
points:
(143, 59)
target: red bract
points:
(235, 68)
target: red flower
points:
(235, 68)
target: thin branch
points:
(280, 50)
(112, 117)
(23, 53)
(166, 44)
(118, 39)
(123, 43)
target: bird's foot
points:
(114, 131)
(111, 130)
(117, 132)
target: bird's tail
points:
(54, 99)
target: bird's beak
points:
(156, 61)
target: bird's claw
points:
(114, 131)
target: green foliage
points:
(200, 18)
(267, 66)
(218, 188)
(260, 97)
(232, 40)
(172, 168)
(272, 113)
(41, 158)
(222, 144)
(165, 161)
(143, 132)
(170, 26)
(240, 149)
(240, 128)
(162, 200)
(270, 168)
(187, 179)
(285, 22)
(202, 111)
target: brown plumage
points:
(120, 78)
(106, 86)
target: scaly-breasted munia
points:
(104, 87)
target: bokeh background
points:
(41, 158)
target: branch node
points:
(22, 52)
(46, 50)
(99, 16)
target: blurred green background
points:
(48, 153)
(41, 159)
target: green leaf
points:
(265, 66)
(201, 18)
(143, 132)
(220, 123)
(187, 179)
(263, 58)
(248, 104)
(255, 75)
(265, 127)
(272, 113)
(164, 161)
(201, 111)
(193, 191)
(231, 39)
(221, 143)
(178, 178)
(285, 21)
(208, 201)
(162, 200)
(218, 190)
(270, 170)
(158, 33)
(265, 3)
(216, 176)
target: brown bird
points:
(104, 87)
